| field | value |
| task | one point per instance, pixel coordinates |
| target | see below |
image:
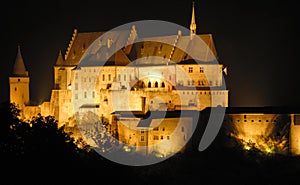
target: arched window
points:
(156, 84)
(163, 84)
(149, 84)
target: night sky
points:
(257, 40)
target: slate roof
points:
(171, 48)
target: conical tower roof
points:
(19, 67)
(60, 60)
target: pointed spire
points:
(60, 60)
(19, 67)
(193, 21)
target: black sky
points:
(257, 40)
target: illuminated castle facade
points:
(140, 77)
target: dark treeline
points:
(38, 152)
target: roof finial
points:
(193, 21)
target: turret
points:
(19, 82)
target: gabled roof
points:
(175, 48)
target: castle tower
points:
(19, 83)
(193, 26)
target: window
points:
(170, 77)
(142, 138)
(163, 84)
(76, 86)
(19, 79)
(182, 129)
(156, 84)
(201, 70)
(161, 137)
(93, 94)
(85, 95)
(124, 77)
(168, 137)
(190, 69)
(155, 137)
(189, 83)
(163, 129)
(119, 77)
(103, 77)
(76, 96)
(142, 131)
(15, 89)
(149, 84)
(156, 128)
(109, 77)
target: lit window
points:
(201, 70)
(190, 69)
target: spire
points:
(60, 60)
(19, 67)
(193, 21)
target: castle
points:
(131, 81)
